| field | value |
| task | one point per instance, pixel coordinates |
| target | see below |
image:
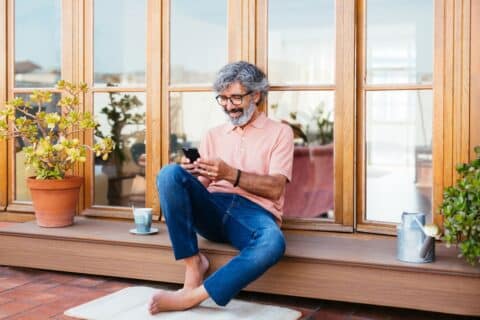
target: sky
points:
(199, 37)
(120, 33)
(37, 32)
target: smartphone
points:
(191, 153)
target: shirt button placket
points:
(242, 142)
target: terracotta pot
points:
(55, 201)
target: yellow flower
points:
(58, 147)
(52, 152)
(52, 119)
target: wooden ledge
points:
(354, 268)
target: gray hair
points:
(248, 75)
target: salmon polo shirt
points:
(263, 147)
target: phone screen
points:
(191, 153)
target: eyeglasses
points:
(235, 99)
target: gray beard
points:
(245, 117)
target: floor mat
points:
(132, 303)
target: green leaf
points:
(50, 148)
(461, 210)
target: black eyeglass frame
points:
(235, 96)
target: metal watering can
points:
(415, 241)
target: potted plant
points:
(461, 210)
(51, 149)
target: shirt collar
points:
(259, 123)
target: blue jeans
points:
(189, 208)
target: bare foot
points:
(195, 272)
(169, 301)
(177, 300)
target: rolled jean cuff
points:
(182, 253)
(215, 295)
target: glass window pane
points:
(398, 154)
(198, 40)
(301, 41)
(22, 192)
(406, 57)
(191, 115)
(120, 180)
(119, 42)
(37, 43)
(311, 116)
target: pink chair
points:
(310, 193)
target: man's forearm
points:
(267, 186)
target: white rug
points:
(132, 303)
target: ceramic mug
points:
(143, 219)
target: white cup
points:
(143, 219)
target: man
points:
(234, 194)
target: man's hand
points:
(189, 167)
(268, 186)
(215, 169)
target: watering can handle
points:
(420, 225)
(426, 246)
(427, 243)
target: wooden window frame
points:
(235, 33)
(344, 123)
(362, 88)
(474, 78)
(14, 205)
(454, 93)
(454, 130)
(88, 207)
(238, 31)
(450, 88)
(3, 97)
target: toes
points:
(153, 307)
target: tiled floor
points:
(36, 294)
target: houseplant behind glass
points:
(51, 149)
(461, 210)
(121, 113)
